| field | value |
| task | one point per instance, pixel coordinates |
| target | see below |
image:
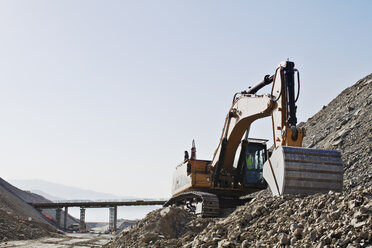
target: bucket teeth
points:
(295, 170)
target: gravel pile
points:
(331, 220)
(166, 227)
(321, 220)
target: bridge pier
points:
(58, 216)
(66, 218)
(82, 226)
(113, 218)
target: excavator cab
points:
(255, 157)
(248, 167)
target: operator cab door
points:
(255, 157)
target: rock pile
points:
(321, 220)
(166, 227)
(332, 220)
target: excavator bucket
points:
(304, 171)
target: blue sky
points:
(106, 95)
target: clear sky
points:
(107, 95)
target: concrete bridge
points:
(112, 205)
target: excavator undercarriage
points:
(242, 165)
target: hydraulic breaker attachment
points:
(297, 170)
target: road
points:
(76, 240)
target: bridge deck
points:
(92, 204)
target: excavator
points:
(242, 165)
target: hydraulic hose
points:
(298, 84)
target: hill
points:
(18, 220)
(63, 192)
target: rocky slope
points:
(28, 196)
(18, 220)
(321, 220)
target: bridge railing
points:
(107, 200)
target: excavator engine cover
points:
(297, 170)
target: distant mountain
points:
(55, 191)
(49, 197)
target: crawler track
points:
(209, 202)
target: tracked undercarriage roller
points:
(297, 170)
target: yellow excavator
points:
(242, 165)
